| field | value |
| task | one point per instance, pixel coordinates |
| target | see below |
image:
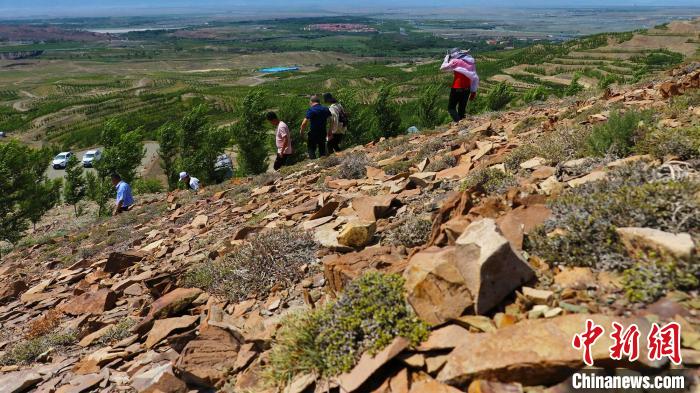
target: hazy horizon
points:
(244, 8)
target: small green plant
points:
(27, 351)
(412, 232)
(617, 136)
(538, 93)
(369, 314)
(575, 86)
(429, 109)
(489, 181)
(268, 259)
(499, 96)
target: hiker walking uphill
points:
(192, 183)
(465, 83)
(124, 200)
(317, 119)
(339, 123)
(283, 140)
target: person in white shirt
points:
(339, 119)
(283, 140)
(191, 182)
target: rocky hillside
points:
(464, 258)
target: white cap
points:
(183, 175)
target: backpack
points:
(343, 116)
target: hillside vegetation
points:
(64, 99)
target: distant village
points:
(341, 28)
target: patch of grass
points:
(488, 181)
(618, 135)
(652, 275)
(117, 332)
(369, 314)
(398, 167)
(585, 218)
(27, 351)
(556, 147)
(412, 232)
(353, 166)
(270, 258)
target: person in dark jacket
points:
(317, 121)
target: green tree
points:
(46, 195)
(362, 120)
(429, 112)
(74, 186)
(499, 96)
(99, 190)
(22, 181)
(168, 139)
(388, 117)
(250, 135)
(123, 151)
(200, 145)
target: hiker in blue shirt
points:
(124, 198)
(317, 116)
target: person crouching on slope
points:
(465, 83)
(192, 183)
(125, 201)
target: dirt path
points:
(23, 105)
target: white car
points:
(90, 157)
(60, 161)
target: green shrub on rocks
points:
(27, 351)
(633, 196)
(369, 314)
(556, 146)
(489, 181)
(412, 232)
(683, 143)
(443, 162)
(652, 275)
(353, 166)
(618, 135)
(270, 258)
(581, 230)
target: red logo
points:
(586, 340)
(663, 342)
